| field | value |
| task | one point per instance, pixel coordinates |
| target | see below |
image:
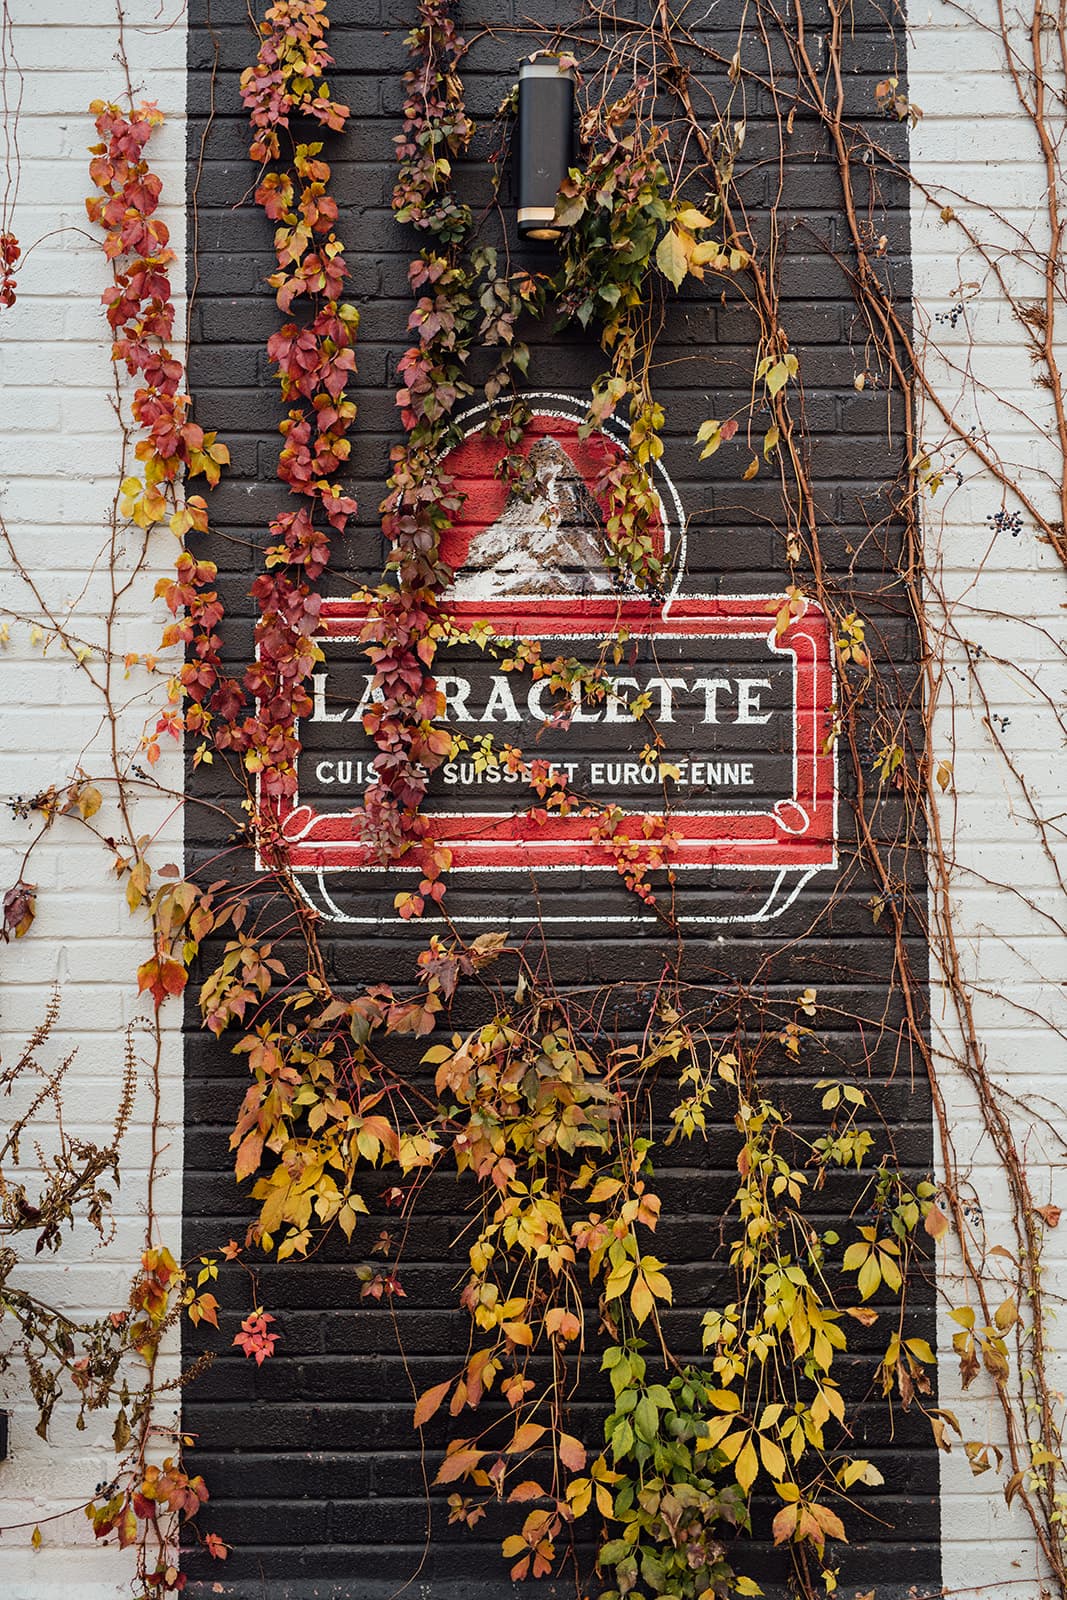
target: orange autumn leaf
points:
(936, 1223)
(525, 1437)
(428, 1403)
(528, 1490)
(457, 1464)
(162, 976)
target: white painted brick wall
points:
(973, 143)
(58, 466)
(58, 459)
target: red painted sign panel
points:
(743, 713)
(791, 828)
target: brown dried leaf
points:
(20, 908)
(862, 1314)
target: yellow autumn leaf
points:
(618, 1280)
(1005, 1316)
(89, 801)
(715, 1432)
(746, 1467)
(890, 1271)
(580, 1496)
(724, 1400)
(656, 1279)
(772, 1457)
(641, 1299)
(671, 258)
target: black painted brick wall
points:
(312, 1463)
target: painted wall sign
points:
(742, 711)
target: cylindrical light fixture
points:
(545, 144)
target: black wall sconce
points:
(546, 143)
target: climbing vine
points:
(553, 1113)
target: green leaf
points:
(622, 1440)
(646, 1420)
(652, 1572)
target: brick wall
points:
(996, 604)
(315, 1469)
(59, 463)
(313, 1466)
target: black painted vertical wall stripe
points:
(311, 1460)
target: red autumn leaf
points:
(216, 1547)
(162, 976)
(254, 1339)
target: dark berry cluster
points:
(951, 316)
(1006, 522)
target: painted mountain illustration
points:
(549, 538)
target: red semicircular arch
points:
(473, 463)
